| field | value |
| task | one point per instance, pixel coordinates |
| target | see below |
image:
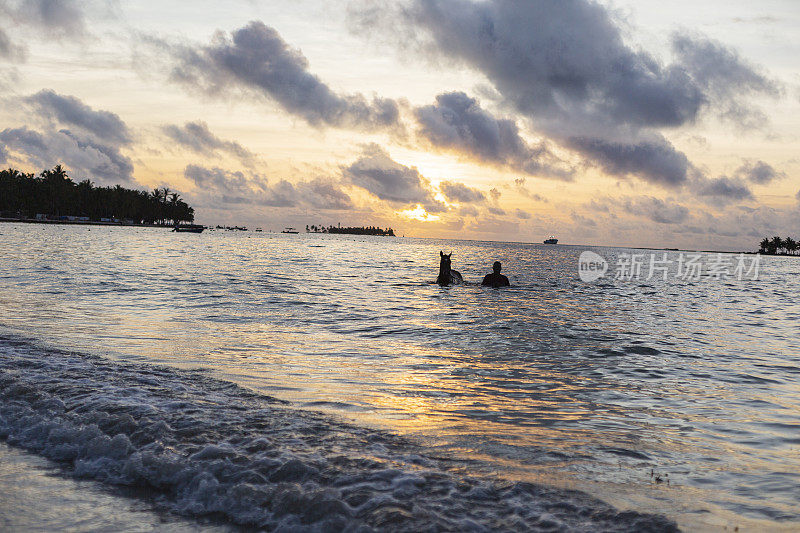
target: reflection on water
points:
(603, 387)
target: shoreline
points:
(81, 223)
(123, 224)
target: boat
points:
(259, 230)
(551, 240)
(188, 228)
(290, 230)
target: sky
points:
(630, 123)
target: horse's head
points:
(444, 268)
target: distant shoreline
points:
(97, 223)
(83, 223)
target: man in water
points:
(495, 279)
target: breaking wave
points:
(201, 447)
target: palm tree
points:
(790, 245)
(776, 244)
(764, 246)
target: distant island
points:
(362, 230)
(53, 197)
(778, 246)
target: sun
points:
(418, 213)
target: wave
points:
(200, 446)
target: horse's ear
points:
(441, 253)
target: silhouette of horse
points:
(447, 276)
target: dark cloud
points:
(758, 172)
(724, 77)
(524, 215)
(457, 122)
(324, 194)
(656, 209)
(554, 59)
(256, 59)
(220, 186)
(655, 160)
(458, 192)
(70, 111)
(197, 137)
(379, 174)
(496, 210)
(565, 66)
(722, 190)
(85, 157)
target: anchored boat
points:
(188, 228)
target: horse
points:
(447, 276)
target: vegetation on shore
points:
(361, 230)
(778, 246)
(52, 195)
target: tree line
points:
(778, 246)
(361, 230)
(53, 194)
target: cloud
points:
(519, 213)
(494, 225)
(85, 157)
(566, 68)
(758, 172)
(324, 194)
(257, 60)
(519, 186)
(458, 192)
(583, 221)
(722, 190)
(379, 174)
(10, 51)
(64, 18)
(457, 122)
(219, 186)
(654, 160)
(724, 77)
(656, 209)
(53, 19)
(471, 211)
(70, 111)
(197, 137)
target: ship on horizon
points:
(551, 240)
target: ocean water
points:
(324, 382)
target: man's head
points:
(496, 267)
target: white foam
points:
(202, 446)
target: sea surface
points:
(324, 382)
